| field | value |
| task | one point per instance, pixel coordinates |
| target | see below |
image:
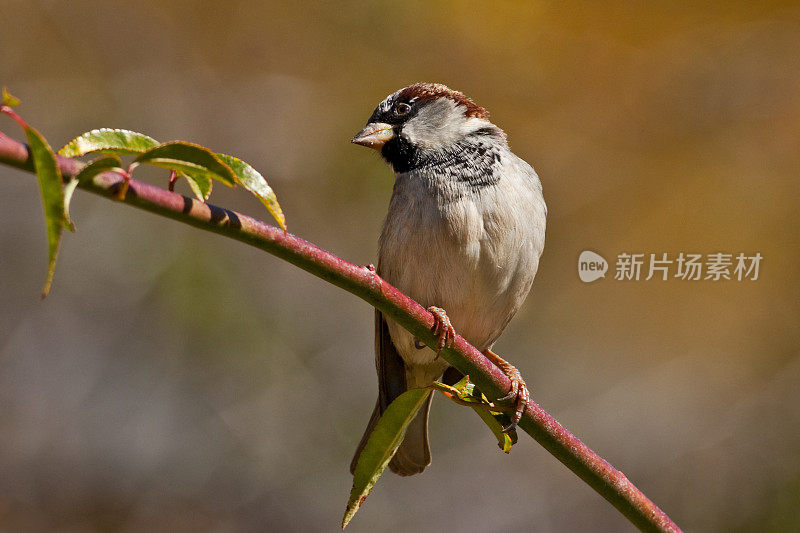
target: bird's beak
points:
(374, 135)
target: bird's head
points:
(423, 121)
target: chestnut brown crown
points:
(431, 91)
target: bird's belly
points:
(478, 278)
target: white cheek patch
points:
(440, 124)
(435, 125)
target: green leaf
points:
(69, 188)
(465, 392)
(9, 99)
(44, 162)
(199, 183)
(504, 440)
(462, 391)
(108, 141)
(99, 165)
(464, 386)
(496, 420)
(190, 159)
(382, 445)
(254, 182)
(196, 163)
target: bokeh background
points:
(176, 380)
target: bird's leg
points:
(519, 391)
(442, 328)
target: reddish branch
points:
(366, 284)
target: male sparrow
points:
(464, 233)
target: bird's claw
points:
(442, 328)
(518, 395)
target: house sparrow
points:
(463, 234)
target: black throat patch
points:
(474, 161)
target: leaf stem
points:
(11, 113)
(173, 177)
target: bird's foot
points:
(442, 328)
(518, 395)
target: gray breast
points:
(469, 246)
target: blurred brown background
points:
(176, 380)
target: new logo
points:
(591, 266)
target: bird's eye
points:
(402, 109)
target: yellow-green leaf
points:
(465, 392)
(69, 189)
(44, 162)
(382, 445)
(464, 386)
(99, 165)
(254, 182)
(9, 99)
(190, 159)
(504, 440)
(109, 141)
(199, 183)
